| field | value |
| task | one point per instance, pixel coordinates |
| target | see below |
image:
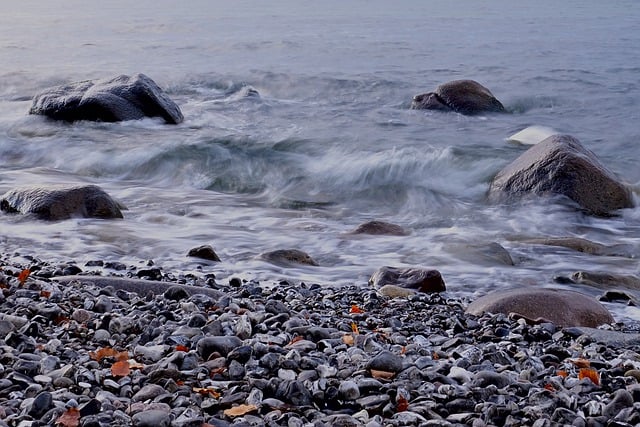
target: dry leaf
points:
(382, 374)
(590, 373)
(182, 348)
(45, 294)
(348, 339)
(240, 410)
(402, 404)
(69, 418)
(581, 363)
(120, 368)
(354, 328)
(562, 374)
(23, 276)
(549, 387)
(208, 391)
(295, 339)
(102, 353)
(356, 310)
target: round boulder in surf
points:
(58, 203)
(112, 100)
(462, 96)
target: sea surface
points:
(330, 142)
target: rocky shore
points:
(187, 350)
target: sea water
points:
(330, 142)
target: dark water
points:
(330, 142)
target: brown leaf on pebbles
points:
(581, 363)
(240, 410)
(207, 391)
(348, 339)
(382, 374)
(69, 418)
(590, 373)
(103, 352)
(23, 276)
(120, 368)
(402, 404)
(355, 309)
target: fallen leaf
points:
(69, 418)
(120, 368)
(207, 391)
(549, 387)
(45, 294)
(348, 339)
(240, 410)
(354, 328)
(590, 373)
(382, 374)
(102, 353)
(182, 348)
(356, 310)
(435, 356)
(23, 276)
(295, 339)
(402, 404)
(562, 374)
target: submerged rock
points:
(411, 278)
(204, 252)
(561, 307)
(288, 257)
(110, 100)
(560, 165)
(462, 96)
(57, 203)
(380, 228)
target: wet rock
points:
(561, 307)
(560, 165)
(462, 96)
(411, 278)
(110, 100)
(380, 228)
(222, 345)
(58, 203)
(151, 418)
(288, 257)
(41, 404)
(204, 252)
(621, 399)
(148, 392)
(606, 280)
(584, 246)
(386, 361)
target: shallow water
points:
(330, 143)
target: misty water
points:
(330, 142)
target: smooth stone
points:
(607, 280)
(148, 392)
(462, 96)
(380, 228)
(385, 361)
(294, 392)
(412, 278)
(103, 304)
(41, 404)
(486, 378)
(621, 399)
(152, 353)
(56, 203)
(151, 418)
(560, 307)
(288, 258)
(560, 165)
(204, 252)
(223, 345)
(583, 245)
(393, 291)
(348, 390)
(110, 100)
(81, 315)
(101, 336)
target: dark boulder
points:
(288, 257)
(204, 252)
(380, 228)
(561, 307)
(462, 96)
(408, 278)
(111, 100)
(560, 165)
(57, 203)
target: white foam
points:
(532, 135)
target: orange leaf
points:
(122, 356)
(120, 368)
(382, 374)
(581, 363)
(207, 391)
(347, 339)
(295, 339)
(549, 387)
(354, 328)
(69, 418)
(402, 404)
(23, 276)
(240, 410)
(182, 348)
(102, 353)
(590, 373)
(355, 309)
(435, 356)
(562, 374)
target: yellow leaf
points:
(240, 410)
(348, 339)
(354, 328)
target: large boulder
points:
(408, 278)
(561, 165)
(378, 228)
(462, 96)
(57, 203)
(561, 307)
(288, 258)
(111, 100)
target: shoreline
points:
(294, 354)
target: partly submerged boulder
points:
(204, 252)
(57, 203)
(380, 228)
(111, 100)
(561, 307)
(288, 257)
(561, 165)
(462, 96)
(408, 278)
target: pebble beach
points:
(198, 350)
